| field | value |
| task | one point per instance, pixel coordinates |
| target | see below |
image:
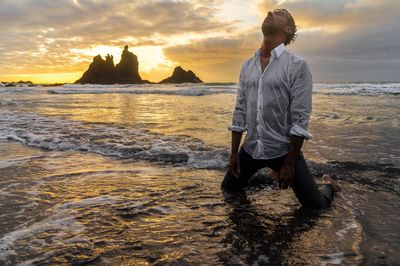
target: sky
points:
(49, 41)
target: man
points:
(274, 105)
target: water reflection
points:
(264, 239)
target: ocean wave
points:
(142, 89)
(7, 102)
(53, 133)
(361, 89)
(18, 84)
(187, 89)
(373, 175)
(345, 89)
(18, 90)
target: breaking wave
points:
(53, 133)
(361, 89)
(186, 89)
(183, 89)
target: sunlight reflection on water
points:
(154, 197)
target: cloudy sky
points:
(54, 40)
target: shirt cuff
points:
(297, 130)
(237, 128)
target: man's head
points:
(279, 21)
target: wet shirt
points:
(273, 105)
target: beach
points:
(130, 174)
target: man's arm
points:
(286, 173)
(238, 125)
(300, 110)
(234, 163)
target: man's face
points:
(274, 23)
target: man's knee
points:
(231, 182)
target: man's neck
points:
(270, 43)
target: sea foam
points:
(58, 134)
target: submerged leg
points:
(248, 167)
(306, 189)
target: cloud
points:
(348, 40)
(342, 39)
(336, 15)
(39, 34)
(218, 58)
(107, 18)
(364, 55)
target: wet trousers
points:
(304, 186)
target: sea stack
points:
(182, 76)
(102, 71)
(127, 70)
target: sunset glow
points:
(53, 41)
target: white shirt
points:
(274, 104)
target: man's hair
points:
(290, 37)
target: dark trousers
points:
(304, 186)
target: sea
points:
(130, 175)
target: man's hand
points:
(234, 165)
(286, 175)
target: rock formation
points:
(102, 71)
(127, 71)
(17, 84)
(182, 76)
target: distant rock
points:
(102, 71)
(18, 84)
(182, 76)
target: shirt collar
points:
(279, 50)
(276, 52)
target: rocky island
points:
(102, 71)
(17, 84)
(182, 76)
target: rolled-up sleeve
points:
(301, 101)
(239, 114)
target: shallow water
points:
(133, 178)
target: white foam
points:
(17, 160)
(4, 190)
(208, 159)
(138, 89)
(100, 200)
(61, 222)
(7, 163)
(349, 227)
(59, 134)
(264, 260)
(333, 259)
(7, 102)
(363, 89)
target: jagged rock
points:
(127, 71)
(102, 71)
(18, 84)
(182, 76)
